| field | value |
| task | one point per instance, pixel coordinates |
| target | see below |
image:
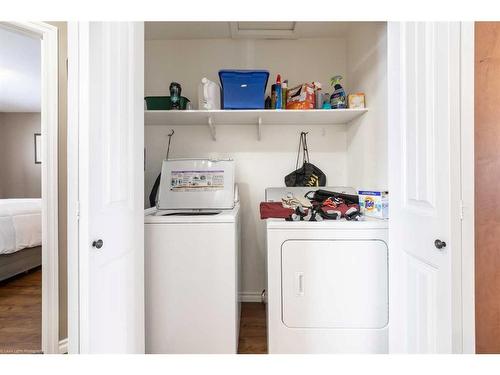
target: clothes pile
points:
(315, 205)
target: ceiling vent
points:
(263, 30)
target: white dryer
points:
(327, 286)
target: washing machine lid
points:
(155, 216)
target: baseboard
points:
(63, 346)
(250, 297)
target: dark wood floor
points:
(21, 313)
(253, 331)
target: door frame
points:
(468, 328)
(76, 42)
(48, 35)
(463, 305)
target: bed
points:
(20, 236)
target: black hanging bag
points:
(308, 174)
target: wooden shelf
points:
(252, 117)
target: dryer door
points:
(334, 284)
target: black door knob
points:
(97, 244)
(439, 244)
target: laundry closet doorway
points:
(95, 322)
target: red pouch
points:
(339, 206)
(274, 210)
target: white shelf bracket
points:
(259, 124)
(211, 126)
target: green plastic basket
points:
(162, 103)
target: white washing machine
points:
(192, 262)
(327, 285)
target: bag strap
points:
(303, 148)
(298, 153)
(306, 150)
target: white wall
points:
(20, 71)
(367, 136)
(20, 177)
(259, 164)
(187, 61)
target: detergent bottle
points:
(208, 95)
(338, 99)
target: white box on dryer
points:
(374, 203)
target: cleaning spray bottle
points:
(338, 99)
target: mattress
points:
(20, 224)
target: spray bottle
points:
(338, 99)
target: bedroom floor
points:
(21, 313)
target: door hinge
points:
(461, 207)
(78, 210)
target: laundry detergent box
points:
(374, 203)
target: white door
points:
(424, 161)
(107, 79)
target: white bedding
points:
(20, 224)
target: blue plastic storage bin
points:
(243, 89)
